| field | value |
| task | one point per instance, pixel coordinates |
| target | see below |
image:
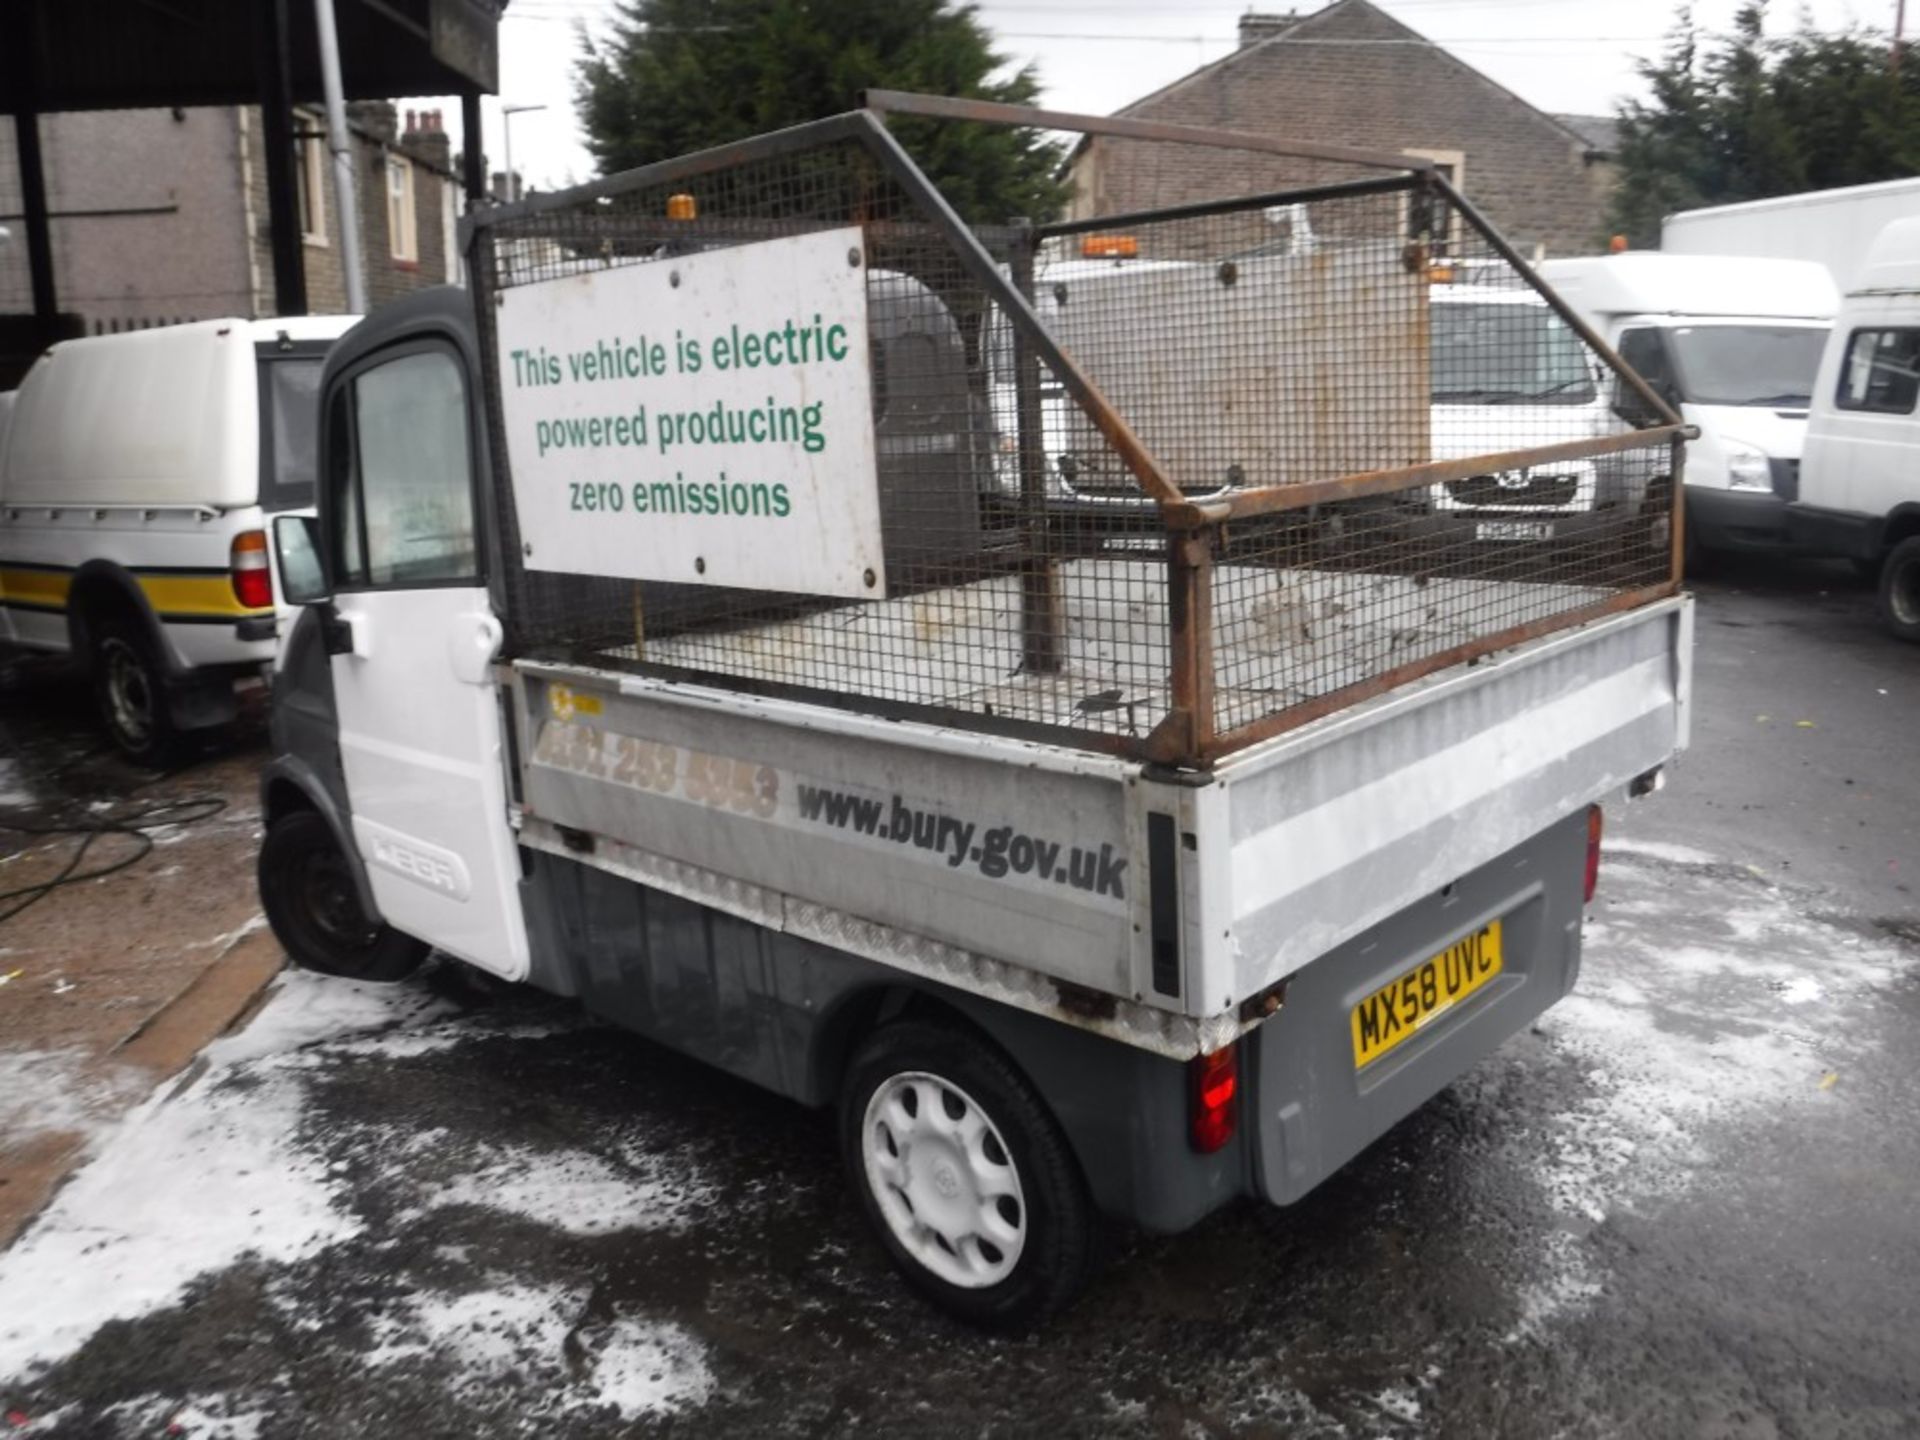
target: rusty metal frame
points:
(1118, 127)
(1186, 736)
(1273, 499)
(865, 128)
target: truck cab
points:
(1733, 344)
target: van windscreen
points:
(289, 431)
(1748, 364)
(1501, 353)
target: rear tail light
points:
(1594, 826)
(1215, 1102)
(252, 580)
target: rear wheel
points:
(965, 1175)
(1900, 590)
(308, 893)
(129, 687)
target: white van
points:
(1733, 344)
(1860, 484)
(138, 473)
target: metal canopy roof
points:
(126, 54)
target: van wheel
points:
(308, 894)
(130, 688)
(1900, 590)
(965, 1174)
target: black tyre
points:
(1900, 590)
(965, 1175)
(130, 690)
(307, 892)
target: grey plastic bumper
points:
(1310, 1110)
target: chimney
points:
(1256, 27)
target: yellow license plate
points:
(1398, 1011)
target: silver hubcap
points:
(944, 1180)
(128, 694)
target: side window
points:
(1646, 352)
(399, 466)
(1881, 373)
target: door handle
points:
(471, 645)
(336, 631)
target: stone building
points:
(160, 216)
(1350, 74)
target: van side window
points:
(405, 512)
(1881, 372)
(1645, 351)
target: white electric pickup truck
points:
(669, 643)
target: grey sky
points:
(1097, 55)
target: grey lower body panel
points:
(784, 1012)
(1844, 533)
(1752, 520)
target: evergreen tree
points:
(682, 75)
(1743, 117)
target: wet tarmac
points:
(1682, 1205)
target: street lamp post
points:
(507, 112)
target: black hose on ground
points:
(138, 822)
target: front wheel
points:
(310, 900)
(965, 1174)
(1900, 590)
(130, 689)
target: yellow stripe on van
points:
(198, 595)
(46, 588)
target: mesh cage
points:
(1160, 483)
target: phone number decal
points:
(716, 780)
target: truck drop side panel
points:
(1080, 887)
(1310, 839)
(995, 864)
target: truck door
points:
(421, 731)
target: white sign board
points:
(704, 418)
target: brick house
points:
(160, 216)
(1351, 74)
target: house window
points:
(402, 233)
(1451, 166)
(1881, 372)
(310, 176)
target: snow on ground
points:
(51, 1092)
(186, 1185)
(14, 791)
(213, 1169)
(582, 1194)
(1709, 1001)
(1657, 850)
(521, 1332)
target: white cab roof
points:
(1655, 284)
(1894, 262)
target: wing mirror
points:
(296, 544)
(303, 579)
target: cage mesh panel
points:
(1259, 346)
(1452, 354)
